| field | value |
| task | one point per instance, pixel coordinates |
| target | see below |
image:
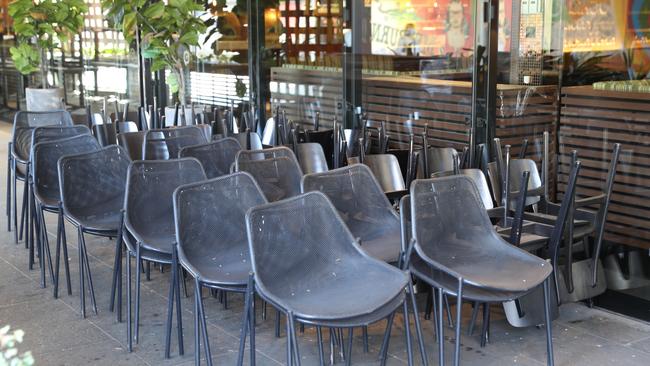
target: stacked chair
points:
(328, 226)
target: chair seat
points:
(384, 247)
(341, 295)
(550, 219)
(227, 268)
(438, 279)
(100, 222)
(158, 242)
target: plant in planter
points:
(167, 31)
(40, 26)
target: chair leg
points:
(321, 353)
(38, 242)
(204, 327)
(434, 304)
(459, 312)
(441, 330)
(486, 324)
(418, 326)
(332, 345)
(88, 273)
(46, 243)
(170, 312)
(289, 346)
(138, 274)
(116, 264)
(294, 341)
(9, 175)
(364, 331)
(179, 317)
(245, 322)
(66, 264)
(449, 318)
(428, 307)
(129, 320)
(549, 326)
(57, 255)
(23, 211)
(14, 206)
(348, 355)
(82, 289)
(383, 352)
(472, 322)
(277, 323)
(251, 330)
(407, 333)
(197, 326)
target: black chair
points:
(92, 188)
(216, 157)
(150, 235)
(106, 133)
(166, 144)
(437, 159)
(47, 196)
(133, 143)
(386, 169)
(279, 177)
(215, 252)
(364, 207)
(311, 158)
(456, 250)
(325, 138)
(20, 149)
(308, 265)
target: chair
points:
(362, 204)
(47, 196)
(216, 157)
(326, 139)
(279, 177)
(164, 145)
(214, 252)
(128, 126)
(437, 159)
(274, 152)
(249, 140)
(386, 169)
(307, 264)
(311, 158)
(133, 143)
(150, 235)
(20, 148)
(456, 250)
(92, 188)
(105, 133)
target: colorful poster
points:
(422, 27)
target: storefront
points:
(468, 70)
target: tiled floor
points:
(56, 334)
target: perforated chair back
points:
(301, 252)
(364, 207)
(211, 227)
(216, 157)
(165, 133)
(93, 185)
(454, 234)
(479, 180)
(133, 143)
(386, 169)
(149, 209)
(311, 158)
(45, 156)
(51, 133)
(278, 177)
(274, 152)
(160, 145)
(25, 122)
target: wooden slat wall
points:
(591, 122)
(445, 106)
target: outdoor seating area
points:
(241, 247)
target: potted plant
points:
(41, 26)
(167, 32)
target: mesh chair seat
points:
(216, 157)
(263, 154)
(100, 222)
(362, 204)
(279, 177)
(305, 260)
(438, 279)
(454, 234)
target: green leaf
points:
(172, 81)
(154, 11)
(191, 38)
